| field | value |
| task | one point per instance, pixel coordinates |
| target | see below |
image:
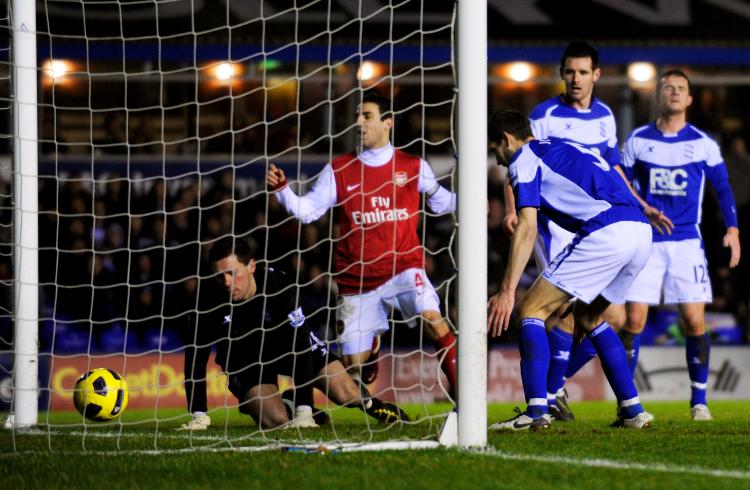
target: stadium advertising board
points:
(661, 375)
(152, 379)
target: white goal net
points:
(157, 124)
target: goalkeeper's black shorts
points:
(314, 357)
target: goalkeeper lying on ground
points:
(260, 335)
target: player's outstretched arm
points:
(732, 241)
(312, 205)
(658, 219)
(500, 306)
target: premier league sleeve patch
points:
(297, 318)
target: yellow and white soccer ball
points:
(100, 395)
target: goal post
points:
(472, 218)
(26, 237)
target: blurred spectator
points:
(115, 139)
(143, 138)
(51, 139)
(155, 200)
(737, 159)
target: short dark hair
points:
(230, 245)
(580, 49)
(383, 103)
(508, 121)
(673, 73)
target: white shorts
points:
(679, 270)
(365, 316)
(550, 241)
(604, 262)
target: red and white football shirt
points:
(378, 209)
(377, 196)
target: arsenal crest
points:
(400, 178)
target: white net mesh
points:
(6, 219)
(158, 121)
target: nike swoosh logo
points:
(350, 188)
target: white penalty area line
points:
(617, 465)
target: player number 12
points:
(699, 272)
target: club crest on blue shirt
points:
(400, 178)
(297, 317)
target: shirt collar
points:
(378, 156)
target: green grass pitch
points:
(138, 452)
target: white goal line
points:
(321, 448)
(303, 445)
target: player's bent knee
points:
(434, 322)
(352, 361)
(542, 300)
(636, 317)
(336, 383)
(692, 318)
(535, 310)
(588, 316)
(694, 326)
(565, 323)
(616, 316)
(635, 324)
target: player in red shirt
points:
(380, 260)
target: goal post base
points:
(449, 431)
(10, 423)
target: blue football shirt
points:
(669, 171)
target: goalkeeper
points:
(260, 335)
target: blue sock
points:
(697, 349)
(615, 364)
(580, 354)
(559, 355)
(534, 348)
(632, 344)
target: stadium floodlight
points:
(641, 72)
(57, 69)
(57, 72)
(520, 71)
(368, 71)
(225, 72)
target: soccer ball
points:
(100, 395)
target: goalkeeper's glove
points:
(199, 422)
